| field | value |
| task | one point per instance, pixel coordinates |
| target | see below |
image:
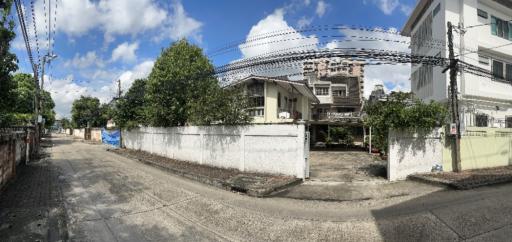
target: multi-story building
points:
(378, 94)
(484, 39)
(339, 86)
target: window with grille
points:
(481, 120)
(322, 91)
(497, 69)
(501, 28)
(508, 122)
(339, 91)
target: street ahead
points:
(85, 193)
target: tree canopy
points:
(402, 111)
(8, 65)
(130, 110)
(182, 89)
(86, 111)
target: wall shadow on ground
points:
(445, 215)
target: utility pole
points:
(36, 112)
(119, 93)
(456, 162)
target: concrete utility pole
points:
(36, 112)
(454, 101)
(119, 93)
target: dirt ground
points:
(346, 166)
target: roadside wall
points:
(482, 148)
(277, 149)
(96, 135)
(79, 133)
(413, 152)
(14, 151)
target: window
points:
(508, 74)
(497, 69)
(322, 91)
(484, 60)
(436, 10)
(422, 76)
(482, 14)
(508, 122)
(481, 120)
(278, 99)
(339, 91)
(501, 28)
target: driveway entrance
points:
(346, 166)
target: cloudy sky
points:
(101, 41)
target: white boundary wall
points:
(277, 149)
(79, 133)
(412, 152)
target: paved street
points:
(85, 193)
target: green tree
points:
(86, 110)
(402, 111)
(23, 96)
(66, 123)
(8, 64)
(182, 89)
(130, 110)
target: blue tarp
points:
(110, 137)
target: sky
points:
(100, 41)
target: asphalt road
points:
(106, 197)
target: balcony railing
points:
(336, 117)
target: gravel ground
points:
(471, 178)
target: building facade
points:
(339, 86)
(485, 41)
(275, 100)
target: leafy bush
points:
(402, 111)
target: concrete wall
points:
(277, 149)
(483, 148)
(14, 150)
(96, 135)
(413, 152)
(79, 133)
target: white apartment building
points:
(486, 43)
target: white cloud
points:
(389, 6)
(180, 25)
(321, 7)
(119, 17)
(304, 22)
(141, 70)
(130, 16)
(125, 52)
(273, 22)
(87, 60)
(65, 91)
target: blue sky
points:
(98, 42)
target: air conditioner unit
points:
(284, 115)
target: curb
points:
(266, 192)
(456, 185)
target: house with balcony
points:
(339, 86)
(483, 38)
(277, 100)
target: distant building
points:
(278, 100)
(377, 94)
(339, 86)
